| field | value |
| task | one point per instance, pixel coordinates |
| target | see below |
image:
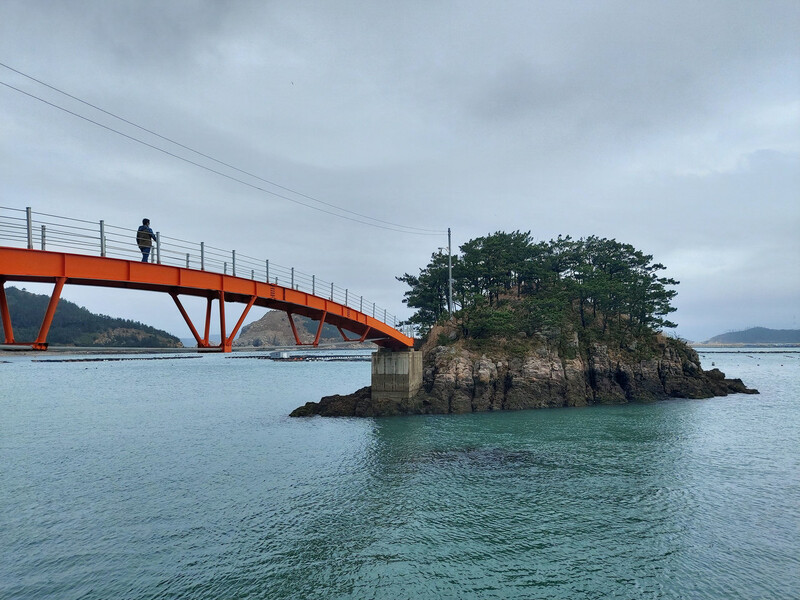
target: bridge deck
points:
(18, 264)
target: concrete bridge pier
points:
(396, 378)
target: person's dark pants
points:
(145, 253)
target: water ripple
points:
(215, 493)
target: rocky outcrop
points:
(273, 329)
(125, 337)
(357, 404)
(458, 380)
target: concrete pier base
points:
(396, 378)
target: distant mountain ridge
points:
(758, 335)
(273, 329)
(74, 325)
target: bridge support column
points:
(41, 340)
(396, 378)
(8, 330)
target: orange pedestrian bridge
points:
(39, 247)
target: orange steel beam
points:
(8, 331)
(319, 329)
(222, 336)
(17, 264)
(229, 341)
(347, 339)
(315, 343)
(47, 320)
(294, 330)
(41, 339)
(207, 330)
(201, 343)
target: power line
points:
(130, 137)
(391, 226)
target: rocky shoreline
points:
(460, 380)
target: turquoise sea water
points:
(185, 478)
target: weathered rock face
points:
(357, 404)
(456, 380)
(273, 329)
(130, 336)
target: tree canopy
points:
(506, 283)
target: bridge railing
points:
(43, 231)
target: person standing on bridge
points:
(144, 239)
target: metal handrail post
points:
(313, 285)
(187, 260)
(267, 270)
(102, 238)
(202, 256)
(158, 247)
(331, 291)
(29, 223)
(233, 264)
(292, 286)
(43, 236)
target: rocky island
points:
(564, 323)
(457, 379)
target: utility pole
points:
(449, 277)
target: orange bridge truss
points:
(61, 268)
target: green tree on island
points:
(506, 284)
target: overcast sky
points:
(673, 126)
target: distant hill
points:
(758, 335)
(74, 325)
(273, 329)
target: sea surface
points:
(183, 477)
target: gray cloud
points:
(672, 126)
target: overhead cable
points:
(130, 137)
(391, 226)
